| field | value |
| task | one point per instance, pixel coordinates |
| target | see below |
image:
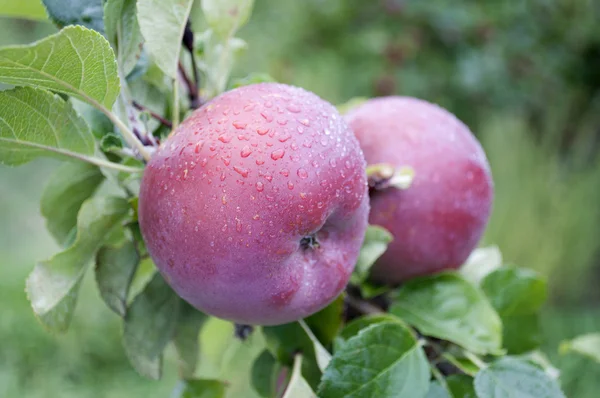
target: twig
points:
(156, 116)
(362, 306)
(191, 86)
(193, 89)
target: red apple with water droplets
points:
(255, 208)
(440, 218)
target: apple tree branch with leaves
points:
(341, 246)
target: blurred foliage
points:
(524, 75)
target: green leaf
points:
(76, 12)
(115, 267)
(323, 356)
(541, 360)
(186, 338)
(69, 186)
(285, 341)
(461, 386)
(448, 307)
(358, 324)
(462, 363)
(375, 244)
(31, 9)
(111, 143)
(326, 323)
(149, 325)
(75, 61)
(383, 360)
(218, 60)
(143, 275)
(98, 122)
(587, 345)
(199, 388)
(265, 371)
(298, 387)
(521, 333)
(123, 32)
(53, 285)
(517, 294)
(509, 378)
(168, 17)
(152, 99)
(226, 17)
(36, 123)
(515, 291)
(436, 390)
(480, 263)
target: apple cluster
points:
(255, 207)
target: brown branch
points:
(154, 115)
(362, 306)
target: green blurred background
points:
(524, 75)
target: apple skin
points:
(440, 218)
(230, 202)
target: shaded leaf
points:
(186, 339)
(326, 323)
(383, 360)
(53, 285)
(462, 363)
(587, 345)
(36, 123)
(375, 244)
(298, 387)
(517, 294)
(169, 18)
(149, 325)
(69, 186)
(321, 354)
(90, 73)
(76, 12)
(509, 377)
(515, 291)
(448, 307)
(481, 262)
(199, 388)
(227, 16)
(521, 333)
(285, 341)
(461, 386)
(110, 143)
(115, 267)
(123, 32)
(143, 275)
(152, 99)
(265, 371)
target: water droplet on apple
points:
(302, 173)
(246, 151)
(277, 154)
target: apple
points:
(255, 208)
(440, 218)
